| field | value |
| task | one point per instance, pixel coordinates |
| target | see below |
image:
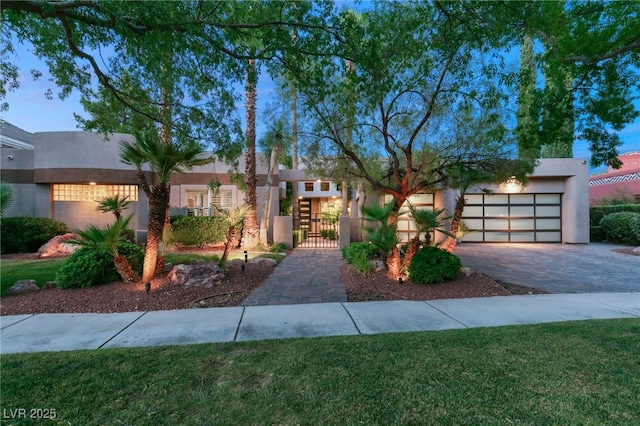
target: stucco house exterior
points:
(61, 175)
(626, 179)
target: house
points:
(61, 175)
(626, 179)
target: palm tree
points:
(164, 159)
(462, 177)
(6, 197)
(426, 221)
(275, 143)
(109, 237)
(114, 204)
(251, 230)
(233, 217)
(383, 235)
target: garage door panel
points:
(513, 217)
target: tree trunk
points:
(451, 241)
(125, 270)
(266, 210)
(228, 245)
(251, 230)
(412, 249)
(394, 264)
(158, 206)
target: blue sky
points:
(30, 110)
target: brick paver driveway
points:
(556, 268)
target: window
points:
(64, 192)
(324, 186)
(308, 186)
(223, 199)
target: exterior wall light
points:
(512, 185)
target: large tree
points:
(422, 82)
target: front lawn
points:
(43, 270)
(573, 373)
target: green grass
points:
(12, 270)
(572, 373)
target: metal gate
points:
(317, 230)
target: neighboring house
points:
(62, 175)
(625, 179)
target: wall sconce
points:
(512, 185)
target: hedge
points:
(198, 231)
(620, 227)
(28, 234)
(597, 213)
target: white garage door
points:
(513, 218)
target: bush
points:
(198, 231)
(28, 234)
(596, 234)
(299, 235)
(329, 234)
(361, 263)
(617, 228)
(597, 213)
(433, 265)
(358, 251)
(278, 247)
(91, 266)
(635, 228)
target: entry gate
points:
(316, 231)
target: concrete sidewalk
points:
(62, 332)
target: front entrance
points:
(317, 230)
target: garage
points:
(521, 218)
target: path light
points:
(242, 266)
(245, 256)
(400, 280)
(147, 288)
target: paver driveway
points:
(556, 268)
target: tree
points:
(419, 77)
(164, 160)
(233, 217)
(109, 237)
(6, 197)
(251, 229)
(275, 144)
(114, 204)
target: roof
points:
(14, 137)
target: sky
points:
(30, 110)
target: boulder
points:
(49, 284)
(59, 246)
(22, 286)
(204, 275)
(636, 250)
(263, 260)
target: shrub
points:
(354, 250)
(28, 234)
(329, 233)
(597, 213)
(433, 265)
(617, 228)
(361, 263)
(299, 235)
(596, 234)
(91, 266)
(278, 247)
(635, 228)
(198, 230)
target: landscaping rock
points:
(22, 286)
(59, 246)
(264, 260)
(467, 271)
(49, 284)
(377, 265)
(202, 274)
(636, 250)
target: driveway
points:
(556, 268)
